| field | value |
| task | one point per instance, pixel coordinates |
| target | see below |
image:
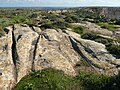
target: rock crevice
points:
(14, 55)
(34, 52)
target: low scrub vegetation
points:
(78, 29)
(106, 25)
(55, 25)
(117, 22)
(45, 80)
(114, 49)
(51, 79)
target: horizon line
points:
(53, 6)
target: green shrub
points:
(106, 25)
(51, 79)
(48, 79)
(55, 25)
(62, 25)
(78, 30)
(72, 18)
(47, 25)
(93, 81)
(117, 22)
(69, 20)
(114, 49)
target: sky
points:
(58, 3)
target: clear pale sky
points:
(59, 3)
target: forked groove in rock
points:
(34, 52)
(77, 49)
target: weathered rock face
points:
(94, 28)
(25, 40)
(117, 33)
(24, 49)
(112, 13)
(54, 50)
(7, 68)
(109, 12)
(97, 50)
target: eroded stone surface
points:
(54, 47)
(7, 68)
(25, 44)
(94, 28)
(24, 49)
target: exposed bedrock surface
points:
(24, 49)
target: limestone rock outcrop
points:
(7, 67)
(24, 49)
(54, 50)
(94, 28)
(25, 40)
(109, 12)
